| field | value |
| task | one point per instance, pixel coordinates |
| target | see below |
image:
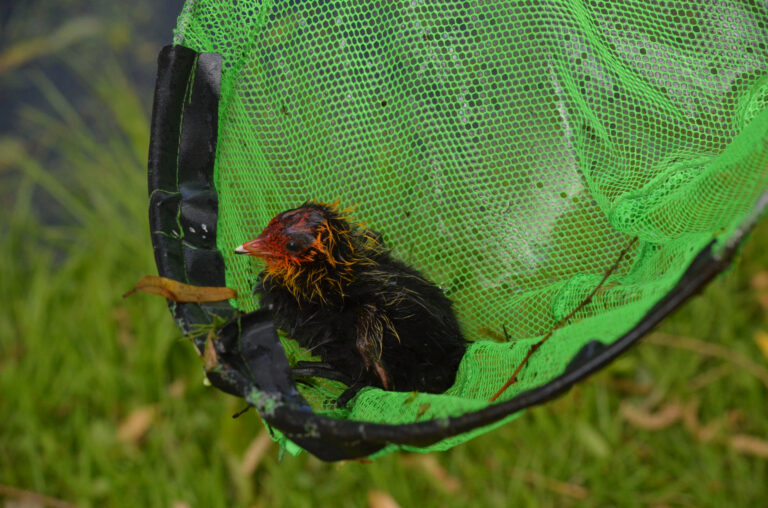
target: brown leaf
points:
(430, 465)
(177, 388)
(760, 281)
(381, 499)
(647, 420)
(180, 292)
(15, 496)
(760, 285)
(703, 433)
(360, 460)
(210, 359)
(136, 424)
(563, 488)
(750, 445)
(423, 408)
(122, 319)
(255, 453)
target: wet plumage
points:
(333, 287)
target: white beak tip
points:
(241, 250)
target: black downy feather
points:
(378, 323)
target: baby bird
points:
(332, 286)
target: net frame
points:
(253, 363)
(184, 204)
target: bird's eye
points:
(293, 246)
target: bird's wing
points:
(371, 324)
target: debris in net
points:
(423, 408)
(180, 292)
(513, 378)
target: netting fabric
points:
(508, 150)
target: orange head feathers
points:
(313, 250)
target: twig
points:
(33, 497)
(709, 349)
(513, 378)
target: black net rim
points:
(253, 364)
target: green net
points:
(508, 150)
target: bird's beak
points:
(255, 247)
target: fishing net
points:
(507, 150)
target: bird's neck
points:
(316, 282)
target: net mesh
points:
(508, 150)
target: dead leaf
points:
(760, 281)
(750, 445)
(210, 358)
(566, 489)
(430, 465)
(703, 433)
(16, 497)
(136, 424)
(760, 285)
(180, 292)
(761, 339)
(181, 504)
(423, 408)
(177, 388)
(492, 334)
(122, 319)
(381, 499)
(255, 453)
(666, 416)
(411, 397)
(361, 460)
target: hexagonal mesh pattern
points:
(508, 150)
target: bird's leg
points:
(349, 393)
(320, 369)
(370, 335)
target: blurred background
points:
(102, 401)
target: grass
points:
(103, 404)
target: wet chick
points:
(333, 287)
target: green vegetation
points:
(102, 401)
